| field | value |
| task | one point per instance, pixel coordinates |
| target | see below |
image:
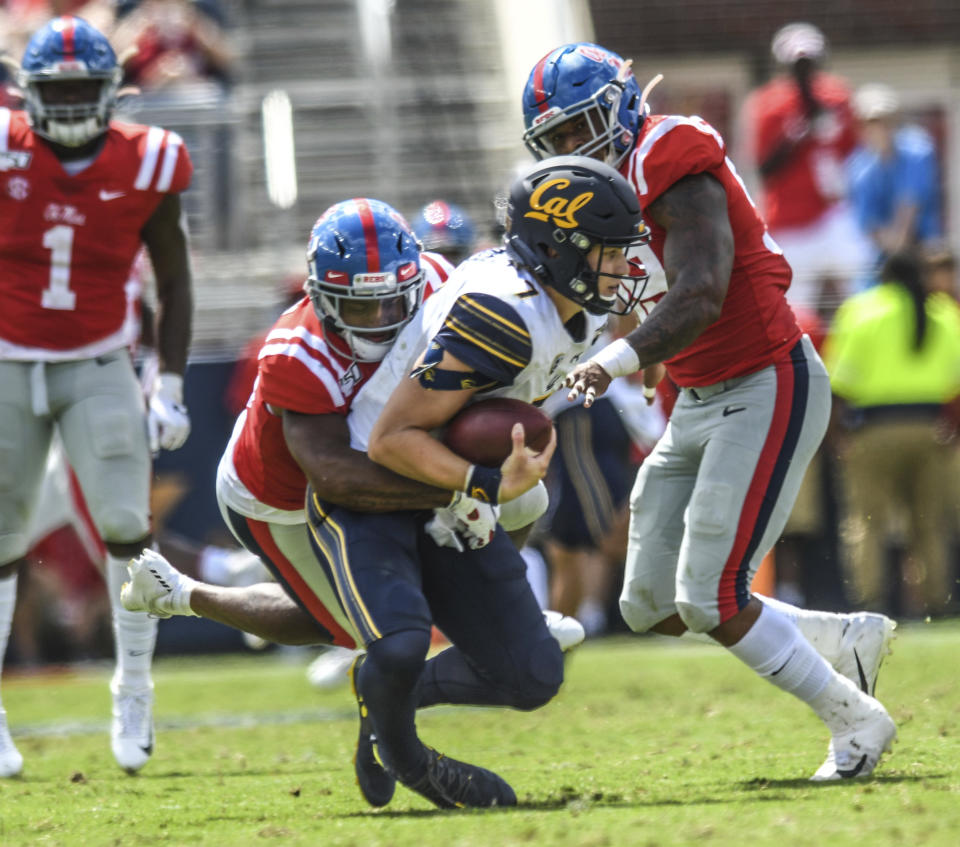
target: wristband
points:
(483, 484)
(617, 359)
(649, 391)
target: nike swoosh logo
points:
(850, 773)
(111, 195)
(860, 673)
(137, 652)
(732, 410)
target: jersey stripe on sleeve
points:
(150, 156)
(486, 333)
(167, 169)
(300, 345)
(4, 130)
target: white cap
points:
(798, 41)
(874, 101)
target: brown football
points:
(480, 432)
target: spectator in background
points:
(893, 354)
(446, 229)
(941, 269)
(178, 44)
(894, 177)
(800, 130)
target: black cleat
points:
(376, 785)
(451, 784)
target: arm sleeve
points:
(486, 333)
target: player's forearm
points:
(355, 482)
(672, 326)
(414, 453)
(174, 328)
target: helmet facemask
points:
(71, 124)
(601, 112)
(366, 343)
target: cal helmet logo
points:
(547, 202)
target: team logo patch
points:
(547, 202)
(15, 160)
(18, 188)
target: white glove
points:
(442, 528)
(476, 521)
(464, 520)
(168, 423)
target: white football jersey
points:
(550, 351)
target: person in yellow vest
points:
(893, 354)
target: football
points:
(480, 432)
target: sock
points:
(823, 630)
(8, 600)
(135, 634)
(776, 650)
(388, 683)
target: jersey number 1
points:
(59, 241)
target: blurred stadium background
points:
(410, 100)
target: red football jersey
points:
(300, 371)
(67, 243)
(812, 179)
(756, 326)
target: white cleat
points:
(566, 630)
(331, 668)
(11, 762)
(856, 752)
(154, 586)
(131, 731)
(863, 646)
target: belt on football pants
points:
(705, 392)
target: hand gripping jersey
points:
(67, 243)
(494, 317)
(756, 326)
(300, 371)
(812, 179)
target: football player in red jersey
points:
(78, 195)
(714, 495)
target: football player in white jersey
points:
(508, 322)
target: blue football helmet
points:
(363, 251)
(558, 211)
(583, 79)
(68, 49)
(446, 229)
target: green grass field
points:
(649, 743)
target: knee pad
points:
(525, 509)
(13, 546)
(122, 526)
(698, 618)
(638, 609)
(543, 677)
(401, 654)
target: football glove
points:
(466, 520)
(168, 423)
